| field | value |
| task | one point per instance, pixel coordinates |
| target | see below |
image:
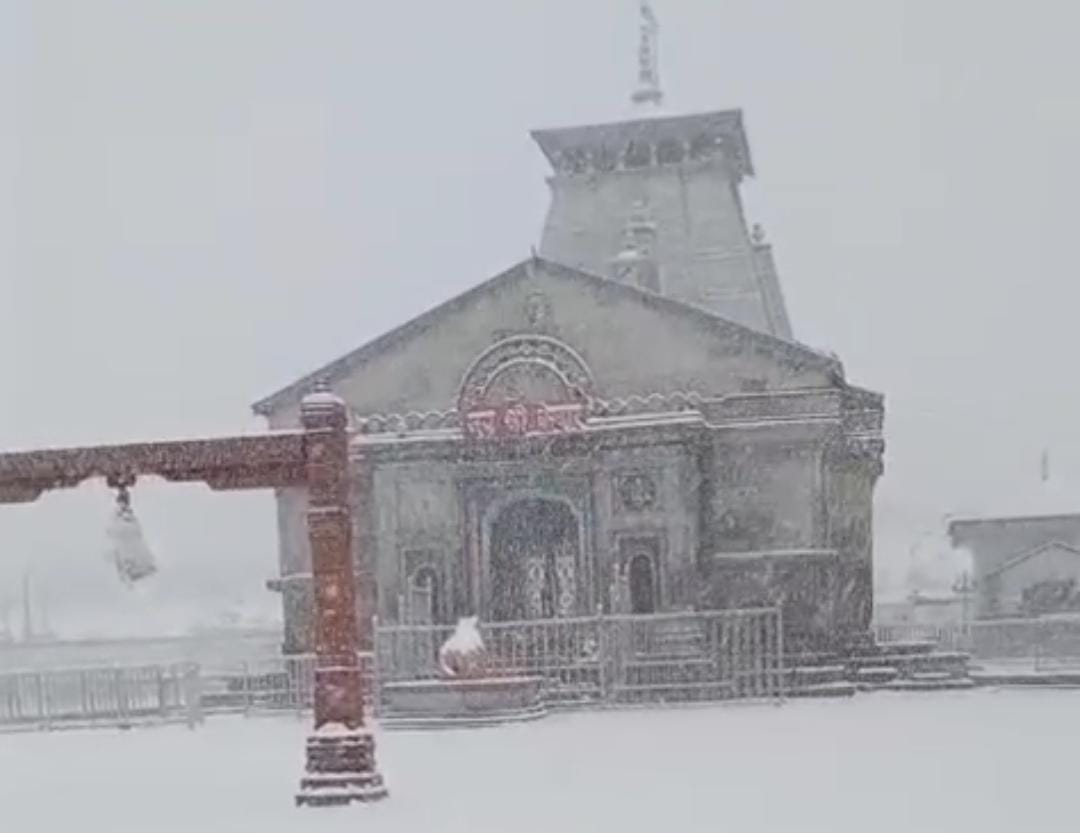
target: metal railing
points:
(1045, 659)
(950, 637)
(281, 684)
(589, 660)
(117, 696)
(623, 658)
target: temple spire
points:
(648, 92)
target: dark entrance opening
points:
(423, 603)
(534, 561)
(642, 584)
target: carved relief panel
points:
(636, 490)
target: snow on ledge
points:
(335, 729)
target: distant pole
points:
(648, 92)
(963, 587)
(1045, 465)
(28, 619)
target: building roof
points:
(1052, 500)
(992, 519)
(342, 366)
(1028, 554)
(650, 129)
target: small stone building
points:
(1023, 566)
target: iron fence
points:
(280, 684)
(590, 660)
(624, 658)
(1046, 643)
(948, 637)
(117, 696)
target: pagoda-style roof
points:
(687, 136)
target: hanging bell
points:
(128, 550)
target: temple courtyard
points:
(987, 760)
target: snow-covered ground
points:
(982, 760)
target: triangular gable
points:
(1042, 549)
(791, 352)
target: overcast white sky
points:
(200, 201)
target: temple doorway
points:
(423, 600)
(642, 581)
(534, 561)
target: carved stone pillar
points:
(855, 466)
(341, 751)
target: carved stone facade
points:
(700, 497)
(624, 424)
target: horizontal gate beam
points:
(255, 462)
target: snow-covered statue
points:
(464, 654)
(127, 548)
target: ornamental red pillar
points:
(341, 751)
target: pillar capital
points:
(322, 408)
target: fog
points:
(201, 201)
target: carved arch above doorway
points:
(526, 368)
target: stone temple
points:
(623, 422)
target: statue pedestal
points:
(462, 702)
(340, 769)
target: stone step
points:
(408, 722)
(905, 648)
(946, 683)
(908, 664)
(812, 674)
(954, 664)
(1026, 677)
(839, 689)
(941, 656)
(876, 675)
(814, 661)
(932, 675)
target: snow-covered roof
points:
(1032, 553)
(342, 366)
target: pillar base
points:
(340, 770)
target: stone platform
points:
(340, 769)
(1010, 673)
(487, 701)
